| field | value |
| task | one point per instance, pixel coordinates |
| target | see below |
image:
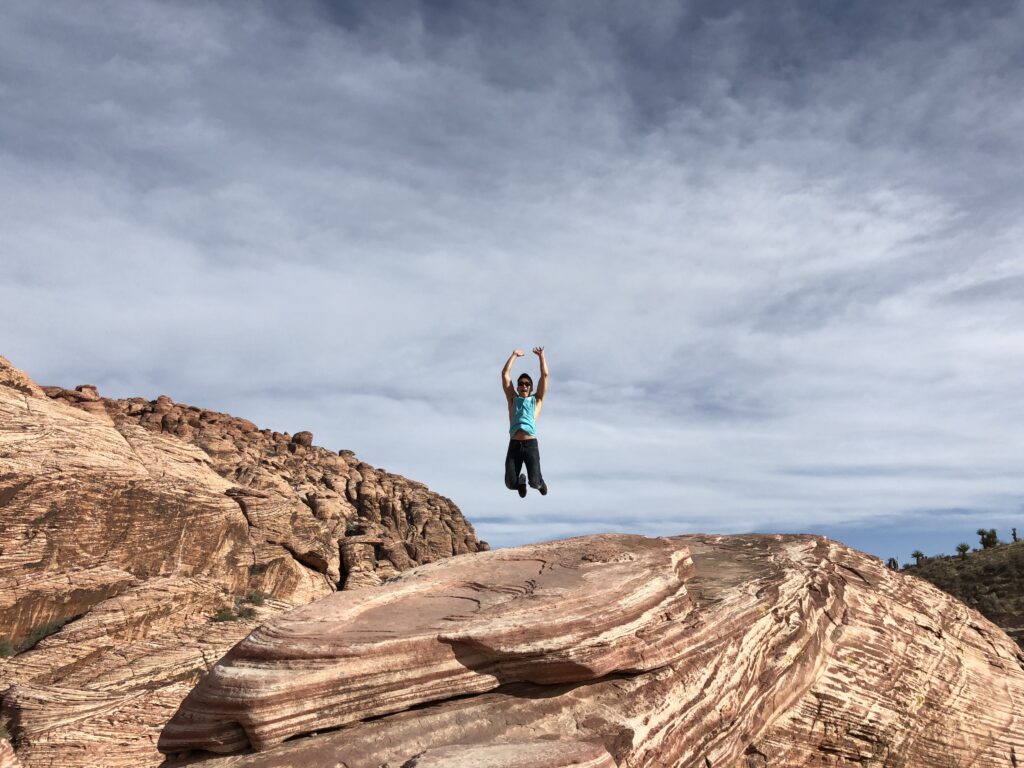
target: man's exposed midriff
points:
(520, 435)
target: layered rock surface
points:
(127, 526)
(551, 613)
(544, 754)
(691, 651)
(7, 758)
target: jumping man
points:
(523, 411)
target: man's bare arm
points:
(542, 385)
(506, 379)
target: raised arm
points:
(506, 379)
(542, 385)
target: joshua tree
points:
(1013, 532)
(963, 548)
(989, 538)
(918, 555)
(893, 563)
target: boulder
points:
(551, 613)
(690, 651)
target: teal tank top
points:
(522, 415)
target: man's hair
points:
(525, 376)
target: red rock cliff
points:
(128, 526)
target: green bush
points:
(7, 648)
(989, 538)
(989, 605)
(239, 610)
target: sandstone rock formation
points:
(692, 651)
(128, 526)
(544, 754)
(7, 758)
(551, 613)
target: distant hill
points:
(990, 580)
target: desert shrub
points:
(988, 538)
(7, 648)
(989, 605)
(239, 610)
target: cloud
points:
(771, 249)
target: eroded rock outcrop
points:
(769, 650)
(550, 613)
(7, 758)
(142, 539)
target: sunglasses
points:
(525, 384)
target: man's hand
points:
(518, 353)
(538, 351)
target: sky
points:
(773, 249)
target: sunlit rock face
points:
(553, 613)
(7, 758)
(143, 539)
(685, 651)
(542, 754)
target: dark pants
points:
(522, 452)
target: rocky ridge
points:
(142, 539)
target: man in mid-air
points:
(523, 411)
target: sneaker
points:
(543, 489)
(522, 486)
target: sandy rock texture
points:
(142, 539)
(691, 651)
(542, 754)
(7, 757)
(550, 613)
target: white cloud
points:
(772, 256)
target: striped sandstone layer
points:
(550, 613)
(543, 754)
(780, 651)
